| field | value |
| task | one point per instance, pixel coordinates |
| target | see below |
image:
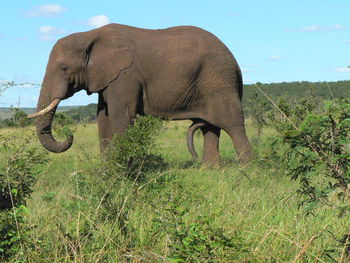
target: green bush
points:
(318, 156)
(131, 161)
(193, 237)
(135, 154)
(83, 114)
(17, 179)
(62, 119)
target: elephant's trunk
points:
(46, 110)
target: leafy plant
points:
(256, 109)
(130, 161)
(17, 179)
(194, 238)
(134, 154)
(320, 155)
(201, 241)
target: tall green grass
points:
(181, 213)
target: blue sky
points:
(273, 41)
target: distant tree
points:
(83, 114)
(255, 109)
(62, 118)
(296, 90)
(18, 119)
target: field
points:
(181, 212)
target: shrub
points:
(129, 161)
(17, 179)
(135, 154)
(62, 119)
(319, 157)
(320, 154)
(194, 237)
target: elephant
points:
(176, 73)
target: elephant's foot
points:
(211, 160)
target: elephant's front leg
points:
(104, 128)
(121, 118)
(122, 102)
(211, 154)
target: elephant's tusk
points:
(52, 105)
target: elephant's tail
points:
(240, 83)
(191, 130)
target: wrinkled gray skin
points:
(176, 73)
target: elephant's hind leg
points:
(240, 142)
(211, 154)
(226, 113)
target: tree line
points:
(253, 97)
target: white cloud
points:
(98, 21)
(49, 30)
(47, 38)
(275, 58)
(244, 70)
(49, 33)
(343, 69)
(337, 27)
(46, 10)
(312, 28)
(317, 28)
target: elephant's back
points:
(197, 39)
(182, 39)
(181, 44)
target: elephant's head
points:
(88, 60)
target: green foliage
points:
(83, 114)
(115, 189)
(319, 153)
(319, 156)
(17, 179)
(18, 119)
(201, 241)
(134, 154)
(195, 239)
(131, 159)
(314, 91)
(255, 108)
(62, 119)
(129, 179)
(300, 89)
(83, 212)
(61, 125)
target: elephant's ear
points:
(105, 58)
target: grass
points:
(256, 205)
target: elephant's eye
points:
(63, 67)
